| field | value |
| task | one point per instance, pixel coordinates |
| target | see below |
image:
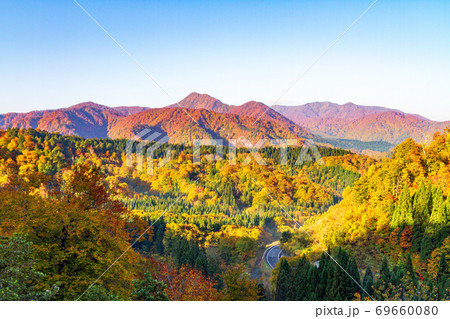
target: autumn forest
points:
(77, 222)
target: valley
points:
(199, 229)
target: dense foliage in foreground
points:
(399, 209)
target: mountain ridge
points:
(92, 120)
(250, 109)
(86, 119)
(352, 126)
(183, 127)
(364, 123)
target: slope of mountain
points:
(350, 126)
(393, 127)
(87, 119)
(377, 218)
(182, 126)
(363, 123)
(201, 117)
(252, 109)
(129, 110)
(21, 120)
(315, 111)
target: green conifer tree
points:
(409, 266)
(406, 209)
(312, 278)
(385, 273)
(422, 211)
(426, 246)
(299, 280)
(355, 280)
(368, 283)
(149, 289)
(443, 272)
(442, 277)
(159, 236)
(339, 282)
(323, 277)
(395, 275)
(201, 262)
(438, 214)
(283, 281)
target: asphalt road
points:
(272, 255)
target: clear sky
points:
(398, 55)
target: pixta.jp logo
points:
(137, 149)
(143, 146)
(309, 151)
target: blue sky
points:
(398, 55)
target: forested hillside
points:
(394, 222)
(70, 207)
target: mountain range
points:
(363, 123)
(87, 119)
(351, 126)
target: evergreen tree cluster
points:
(300, 280)
(183, 252)
(190, 253)
(403, 282)
(336, 277)
(274, 154)
(200, 213)
(428, 212)
(335, 177)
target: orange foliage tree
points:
(77, 230)
(186, 284)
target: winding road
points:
(272, 255)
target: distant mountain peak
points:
(202, 101)
(198, 98)
(254, 104)
(88, 104)
(196, 95)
